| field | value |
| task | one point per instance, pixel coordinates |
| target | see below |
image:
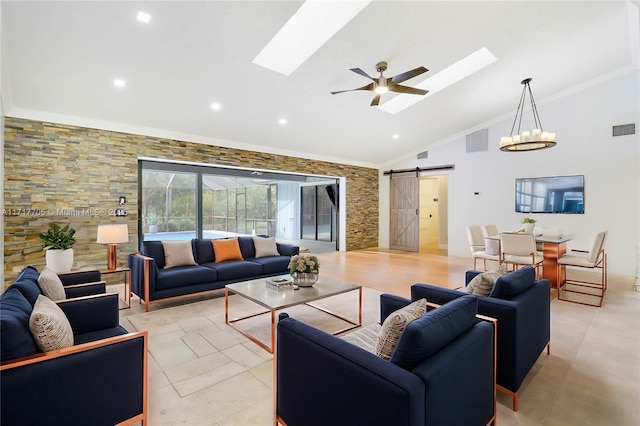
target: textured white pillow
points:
(177, 253)
(483, 283)
(49, 325)
(265, 247)
(50, 285)
(394, 325)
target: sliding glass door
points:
(184, 201)
(318, 214)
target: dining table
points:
(553, 247)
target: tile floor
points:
(201, 372)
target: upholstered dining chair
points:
(477, 246)
(491, 239)
(490, 231)
(594, 259)
(519, 249)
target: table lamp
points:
(112, 235)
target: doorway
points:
(319, 212)
(433, 224)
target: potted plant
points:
(529, 223)
(304, 269)
(153, 224)
(57, 242)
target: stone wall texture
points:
(71, 174)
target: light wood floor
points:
(394, 271)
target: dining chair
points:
(596, 258)
(491, 239)
(490, 230)
(518, 249)
(477, 246)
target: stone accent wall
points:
(70, 174)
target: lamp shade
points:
(113, 234)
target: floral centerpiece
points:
(304, 269)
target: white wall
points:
(583, 122)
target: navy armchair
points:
(100, 380)
(325, 380)
(521, 306)
(82, 283)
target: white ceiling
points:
(60, 58)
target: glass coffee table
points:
(274, 300)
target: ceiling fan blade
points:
(362, 73)
(376, 100)
(409, 74)
(406, 89)
(367, 87)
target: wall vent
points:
(624, 129)
(422, 155)
(478, 141)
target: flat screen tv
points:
(555, 194)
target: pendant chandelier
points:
(525, 141)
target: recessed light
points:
(396, 136)
(282, 121)
(143, 17)
(118, 82)
(215, 106)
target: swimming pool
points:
(186, 235)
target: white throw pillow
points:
(265, 246)
(483, 283)
(177, 253)
(394, 325)
(49, 326)
(50, 285)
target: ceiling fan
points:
(383, 85)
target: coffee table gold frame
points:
(257, 292)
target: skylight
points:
(306, 31)
(445, 78)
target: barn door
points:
(404, 226)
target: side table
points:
(127, 284)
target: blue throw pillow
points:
(16, 339)
(434, 330)
(510, 285)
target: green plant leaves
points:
(57, 237)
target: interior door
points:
(429, 213)
(404, 226)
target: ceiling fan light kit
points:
(526, 141)
(382, 84)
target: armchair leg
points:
(514, 396)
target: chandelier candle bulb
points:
(536, 134)
(515, 138)
(545, 136)
(552, 137)
(526, 137)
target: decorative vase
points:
(304, 279)
(59, 260)
(528, 228)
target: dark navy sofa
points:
(100, 380)
(521, 306)
(442, 375)
(153, 284)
